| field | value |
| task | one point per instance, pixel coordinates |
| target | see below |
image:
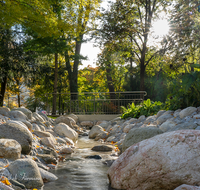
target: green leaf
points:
(195, 66)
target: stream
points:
(80, 173)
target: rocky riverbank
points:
(32, 143)
(157, 152)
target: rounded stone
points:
(20, 134)
(26, 172)
(139, 134)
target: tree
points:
(129, 22)
(86, 12)
(12, 62)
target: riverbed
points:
(80, 173)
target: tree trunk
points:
(110, 81)
(3, 90)
(142, 74)
(73, 74)
(55, 84)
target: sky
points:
(159, 28)
(88, 48)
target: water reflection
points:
(78, 173)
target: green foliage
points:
(185, 92)
(147, 108)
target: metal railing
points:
(93, 102)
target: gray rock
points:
(150, 119)
(161, 112)
(133, 121)
(187, 187)
(68, 140)
(137, 135)
(163, 118)
(49, 141)
(26, 172)
(198, 128)
(187, 111)
(95, 131)
(17, 184)
(64, 119)
(41, 165)
(60, 140)
(44, 116)
(142, 118)
(101, 136)
(115, 138)
(42, 134)
(184, 126)
(104, 124)
(41, 125)
(17, 114)
(64, 130)
(50, 151)
(176, 113)
(47, 176)
(48, 159)
(87, 124)
(73, 116)
(66, 150)
(38, 117)
(52, 132)
(28, 124)
(20, 134)
(36, 127)
(26, 111)
(10, 149)
(4, 111)
(103, 148)
(167, 125)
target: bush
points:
(147, 108)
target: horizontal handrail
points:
(93, 102)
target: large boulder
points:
(19, 133)
(43, 115)
(164, 117)
(187, 187)
(164, 161)
(167, 125)
(73, 116)
(64, 130)
(17, 114)
(4, 111)
(26, 172)
(27, 123)
(184, 126)
(65, 119)
(87, 123)
(138, 135)
(96, 130)
(187, 111)
(26, 111)
(10, 149)
(49, 141)
(38, 117)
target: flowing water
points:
(80, 173)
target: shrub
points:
(147, 108)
